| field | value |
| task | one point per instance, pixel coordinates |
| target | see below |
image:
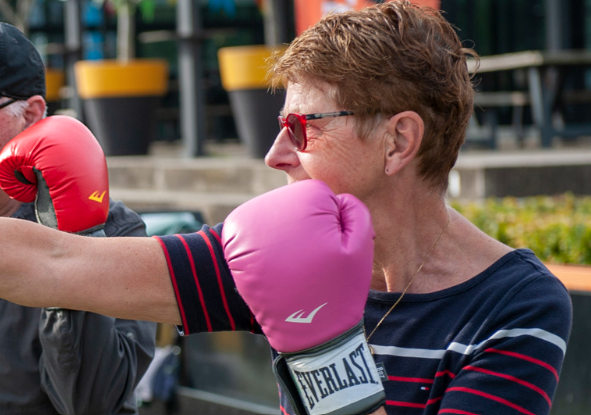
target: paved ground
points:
(193, 402)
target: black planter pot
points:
(120, 102)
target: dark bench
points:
(544, 73)
(486, 131)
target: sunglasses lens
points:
(297, 133)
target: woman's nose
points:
(282, 154)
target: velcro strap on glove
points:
(336, 378)
(45, 209)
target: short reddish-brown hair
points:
(385, 59)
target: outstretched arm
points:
(120, 277)
(69, 184)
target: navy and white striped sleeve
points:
(517, 368)
(205, 291)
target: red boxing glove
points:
(60, 165)
(302, 259)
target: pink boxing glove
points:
(302, 259)
(60, 165)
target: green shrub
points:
(557, 229)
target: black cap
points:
(22, 74)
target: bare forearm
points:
(120, 277)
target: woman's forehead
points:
(307, 97)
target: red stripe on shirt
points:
(413, 404)
(217, 236)
(527, 358)
(174, 284)
(421, 380)
(197, 285)
(406, 404)
(219, 278)
(514, 379)
(417, 380)
(405, 379)
(491, 397)
(252, 319)
(434, 400)
(455, 411)
(445, 373)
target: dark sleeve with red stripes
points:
(205, 291)
(516, 370)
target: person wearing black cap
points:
(57, 361)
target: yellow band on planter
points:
(245, 67)
(111, 78)
(54, 80)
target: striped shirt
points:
(491, 345)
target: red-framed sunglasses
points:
(296, 125)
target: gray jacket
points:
(56, 361)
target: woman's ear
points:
(403, 139)
(35, 110)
